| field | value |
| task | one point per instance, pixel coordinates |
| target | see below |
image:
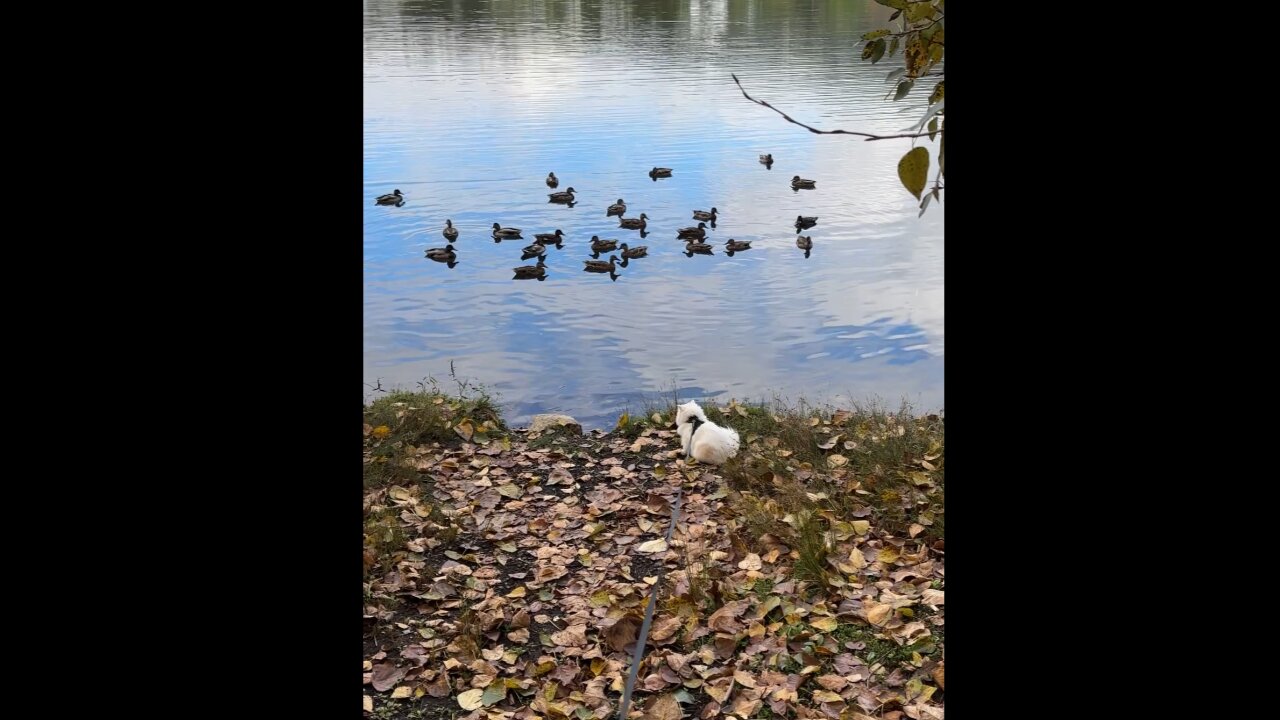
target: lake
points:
(468, 105)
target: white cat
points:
(706, 441)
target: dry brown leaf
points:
(837, 460)
(622, 633)
(751, 562)
(933, 597)
(664, 628)
(723, 620)
(439, 687)
(938, 676)
(519, 636)
(834, 683)
(403, 691)
(368, 704)
(664, 707)
(915, 529)
(826, 696)
(720, 689)
(572, 636)
(877, 613)
(826, 624)
(386, 675)
(744, 706)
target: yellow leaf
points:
(857, 559)
(368, 704)
(518, 592)
(888, 555)
(826, 624)
(913, 170)
(653, 546)
(381, 431)
(826, 696)
(403, 691)
(877, 613)
(471, 699)
(861, 526)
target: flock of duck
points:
(694, 236)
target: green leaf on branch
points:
(913, 170)
(904, 87)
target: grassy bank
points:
(508, 572)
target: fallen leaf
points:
(915, 529)
(386, 676)
(368, 704)
(439, 687)
(622, 633)
(933, 597)
(381, 431)
(826, 696)
(877, 613)
(830, 443)
(403, 691)
(471, 699)
(572, 636)
(834, 683)
(887, 555)
(938, 676)
(837, 460)
(752, 562)
(494, 693)
(826, 624)
(664, 628)
(653, 546)
(664, 707)
(518, 592)
(857, 559)
(861, 526)
(511, 491)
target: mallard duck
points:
(599, 246)
(393, 198)
(737, 245)
(803, 222)
(534, 250)
(693, 246)
(799, 182)
(767, 159)
(450, 232)
(531, 271)
(693, 232)
(704, 215)
(556, 238)
(634, 252)
(500, 232)
(552, 180)
(805, 243)
(562, 197)
(617, 208)
(600, 265)
(660, 172)
(634, 223)
(444, 254)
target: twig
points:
(788, 118)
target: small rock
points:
(544, 422)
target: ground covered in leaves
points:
(506, 575)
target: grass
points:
(401, 421)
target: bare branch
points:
(788, 118)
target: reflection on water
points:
(470, 106)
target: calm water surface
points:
(468, 104)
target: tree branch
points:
(788, 118)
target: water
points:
(468, 104)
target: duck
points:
(693, 246)
(599, 246)
(805, 243)
(767, 159)
(737, 245)
(799, 182)
(500, 232)
(562, 197)
(634, 223)
(601, 265)
(617, 208)
(694, 232)
(534, 250)
(552, 180)
(392, 198)
(659, 172)
(450, 232)
(704, 215)
(444, 254)
(803, 222)
(634, 252)
(556, 238)
(532, 271)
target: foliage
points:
(921, 38)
